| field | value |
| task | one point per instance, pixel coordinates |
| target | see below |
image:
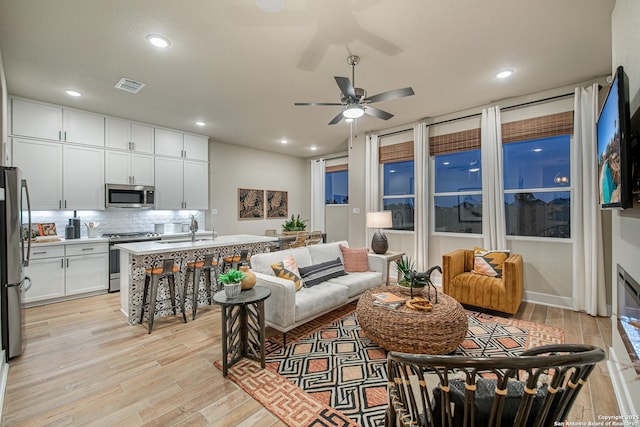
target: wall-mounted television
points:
(614, 146)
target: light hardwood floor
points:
(84, 365)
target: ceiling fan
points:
(355, 100)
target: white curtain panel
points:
(421, 179)
(493, 218)
(589, 293)
(317, 195)
(372, 178)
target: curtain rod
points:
(469, 116)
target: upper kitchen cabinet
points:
(128, 168)
(124, 135)
(181, 184)
(186, 146)
(38, 120)
(196, 147)
(61, 176)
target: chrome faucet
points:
(193, 227)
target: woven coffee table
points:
(439, 331)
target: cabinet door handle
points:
(65, 135)
(40, 253)
(59, 135)
(67, 262)
(65, 204)
(59, 204)
(133, 146)
(61, 263)
(88, 249)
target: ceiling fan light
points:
(353, 112)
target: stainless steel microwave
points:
(130, 196)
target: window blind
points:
(401, 152)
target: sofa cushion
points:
(489, 263)
(261, 263)
(355, 259)
(288, 269)
(318, 299)
(326, 251)
(318, 273)
(356, 283)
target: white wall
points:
(232, 167)
(625, 225)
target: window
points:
(398, 193)
(458, 192)
(537, 187)
(336, 187)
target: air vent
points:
(129, 85)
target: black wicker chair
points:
(537, 388)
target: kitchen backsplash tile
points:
(119, 220)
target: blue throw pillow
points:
(318, 273)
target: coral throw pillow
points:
(288, 269)
(489, 263)
(355, 259)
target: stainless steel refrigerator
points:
(15, 250)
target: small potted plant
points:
(232, 282)
(293, 225)
(406, 266)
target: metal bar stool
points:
(195, 268)
(152, 277)
(235, 261)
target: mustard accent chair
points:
(500, 294)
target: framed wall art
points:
(277, 204)
(250, 203)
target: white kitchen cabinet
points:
(196, 185)
(45, 121)
(59, 271)
(168, 143)
(128, 168)
(83, 177)
(176, 144)
(181, 184)
(46, 271)
(124, 135)
(169, 182)
(196, 147)
(36, 120)
(86, 268)
(82, 127)
(41, 165)
(61, 176)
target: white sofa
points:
(285, 308)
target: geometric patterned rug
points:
(330, 374)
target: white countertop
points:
(153, 247)
(63, 241)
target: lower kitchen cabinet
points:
(60, 271)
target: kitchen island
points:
(135, 257)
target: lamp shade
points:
(379, 219)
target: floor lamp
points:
(379, 220)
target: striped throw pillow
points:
(318, 273)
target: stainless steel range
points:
(114, 253)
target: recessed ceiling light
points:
(445, 163)
(537, 150)
(283, 141)
(271, 6)
(313, 148)
(158, 41)
(200, 123)
(72, 92)
(504, 73)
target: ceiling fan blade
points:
(316, 104)
(391, 94)
(376, 112)
(336, 119)
(346, 87)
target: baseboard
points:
(4, 373)
(549, 300)
(623, 396)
